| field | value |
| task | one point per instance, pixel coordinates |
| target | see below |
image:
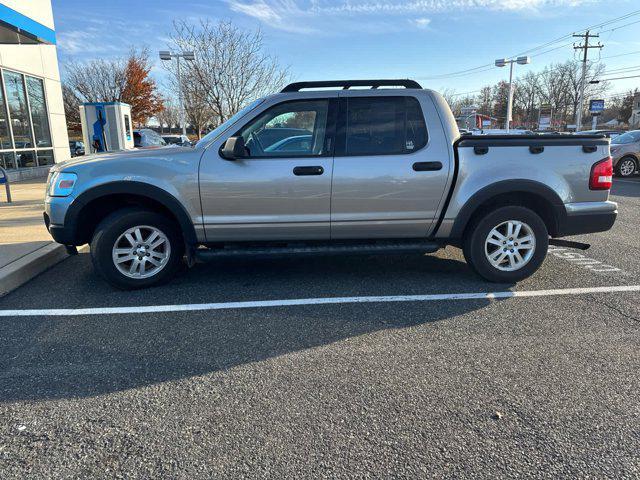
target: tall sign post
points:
(596, 107)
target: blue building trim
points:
(26, 25)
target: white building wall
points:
(40, 61)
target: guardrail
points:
(5, 179)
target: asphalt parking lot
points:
(546, 385)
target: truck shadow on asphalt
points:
(80, 356)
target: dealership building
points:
(33, 130)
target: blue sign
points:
(596, 106)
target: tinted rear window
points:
(384, 126)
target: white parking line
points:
(60, 312)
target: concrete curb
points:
(25, 268)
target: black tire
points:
(626, 160)
(113, 226)
(476, 235)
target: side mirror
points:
(233, 148)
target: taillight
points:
(601, 174)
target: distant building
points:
(469, 118)
(634, 120)
(33, 130)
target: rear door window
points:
(384, 126)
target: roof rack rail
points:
(346, 84)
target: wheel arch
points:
(90, 207)
(526, 193)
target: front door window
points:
(290, 129)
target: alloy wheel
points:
(510, 245)
(627, 167)
(141, 252)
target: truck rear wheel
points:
(135, 248)
(507, 244)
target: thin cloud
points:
(421, 23)
(317, 15)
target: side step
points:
(205, 254)
(560, 242)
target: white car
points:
(181, 140)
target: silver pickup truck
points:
(324, 168)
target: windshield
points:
(213, 134)
(628, 137)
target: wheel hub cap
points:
(627, 168)
(141, 252)
(510, 245)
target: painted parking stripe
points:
(191, 307)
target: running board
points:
(205, 254)
(558, 242)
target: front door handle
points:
(317, 170)
(427, 166)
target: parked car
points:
(606, 133)
(296, 144)
(625, 150)
(181, 140)
(76, 148)
(147, 138)
(386, 170)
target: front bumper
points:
(588, 217)
(55, 209)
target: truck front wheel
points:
(507, 244)
(135, 248)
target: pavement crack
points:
(616, 309)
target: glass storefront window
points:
(8, 160)
(24, 114)
(18, 111)
(5, 137)
(45, 157)
(39, 117)
(26, 159)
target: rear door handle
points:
(317, 170)
(427, 166)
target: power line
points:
(490, 66)
(618, 78)
(620, 55)
(621, 70)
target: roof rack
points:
(346, 84)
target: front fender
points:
(133, 188)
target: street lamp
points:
(190, 56)
(502, 62)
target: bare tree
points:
(231, 67)
(71, 108)
(168, 116)
(526, 98)
(98, 80)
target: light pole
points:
(167, 55)
(502, 62)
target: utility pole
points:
(585, 46)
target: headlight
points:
(62, 184)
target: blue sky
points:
(327, 39)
